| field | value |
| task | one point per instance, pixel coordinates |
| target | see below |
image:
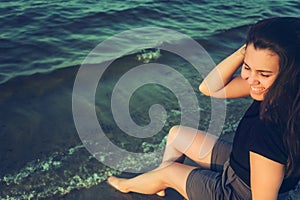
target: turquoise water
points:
(39, 36)
(42, 46)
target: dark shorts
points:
(219, 183)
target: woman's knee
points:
(173, 130)
(173, 133)
(182, 137)
(187, 132)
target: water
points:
(42, 36)
(42, 45)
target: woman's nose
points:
(252, 79)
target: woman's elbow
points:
(204, 89)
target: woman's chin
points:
(257, 97)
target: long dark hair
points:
(281, 104)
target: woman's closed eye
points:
(245, 66)
(265, 75)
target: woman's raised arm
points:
(220, 82)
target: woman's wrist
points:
(242, 50)
(238, 57)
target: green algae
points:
(61, 173)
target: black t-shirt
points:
(253, 135)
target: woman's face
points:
(260, 69)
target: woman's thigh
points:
(220, 154)
(195, 144)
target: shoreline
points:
(105, 191)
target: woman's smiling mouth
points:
(257, 90)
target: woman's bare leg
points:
(195, 144)
(192, 143)
(174, 176)
(184, 141)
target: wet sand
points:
(106, 192)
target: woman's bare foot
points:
(117, 183)
(161, 193)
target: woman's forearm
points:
(222, 74)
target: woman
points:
(263, 163)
